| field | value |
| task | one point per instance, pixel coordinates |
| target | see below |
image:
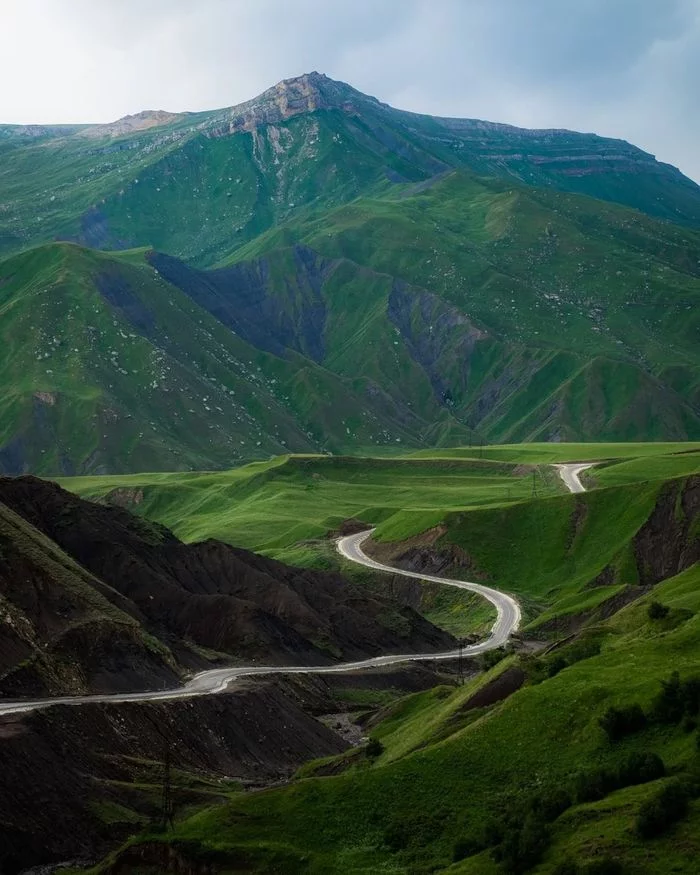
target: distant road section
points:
(569, 474)
(217, 679)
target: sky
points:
(620, 68)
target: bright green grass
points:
(272, 506)
(462, 771)
(550, 453)
(661, 467)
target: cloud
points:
(625, 68)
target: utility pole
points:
(534, 484)
(166, 807)
(460, 663)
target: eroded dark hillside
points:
(126, 584)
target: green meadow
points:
(277, 505)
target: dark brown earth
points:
(100, 600)
(76, 780)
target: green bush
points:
(413, 830)
(604, 866)
(618, 722)
(657, 611)
(677, 699)
(637, 768)
(374, 748)
(640, 768)
(467, 847)
(667, 806)
(549, 666)
(566, 867)
(523, 846)
(550, 804)
(593, 785)
(490, 658)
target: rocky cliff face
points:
(289, 98)
(494, 144)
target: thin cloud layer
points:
(623, 68)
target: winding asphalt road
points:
(216, 680)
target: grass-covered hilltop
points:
(316, 271)
(373, 544)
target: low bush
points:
(677, 699)
(667, 806)
(522, 846)
(657, 611)
(640, 768)
(618, 722)
(413, 830)
(603, 866)
(545, 667)
(467, 847)
(550, 804)
(637, 768)
(490, 658)
(374, 748)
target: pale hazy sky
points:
(622, 68)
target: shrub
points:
(549, 666)
(594, 785)
(667, 806)
(374, 748)
(657, 611)
(549, 804)
(522, 846)
(618, 722)
(413, 830)
(640, 768)
(466, 847)
(604, 866)
(490, 658)
(677, 699)
(555, 665)
(566, 867)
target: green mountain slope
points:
(314, 274)
(419, 317)
(109, 367)
(197, 185)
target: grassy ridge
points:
(271, 506)
(445, 772)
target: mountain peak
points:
(129, 124)
(290, 97)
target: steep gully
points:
(350, 547)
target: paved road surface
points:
(569, 474)
(216, 680)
